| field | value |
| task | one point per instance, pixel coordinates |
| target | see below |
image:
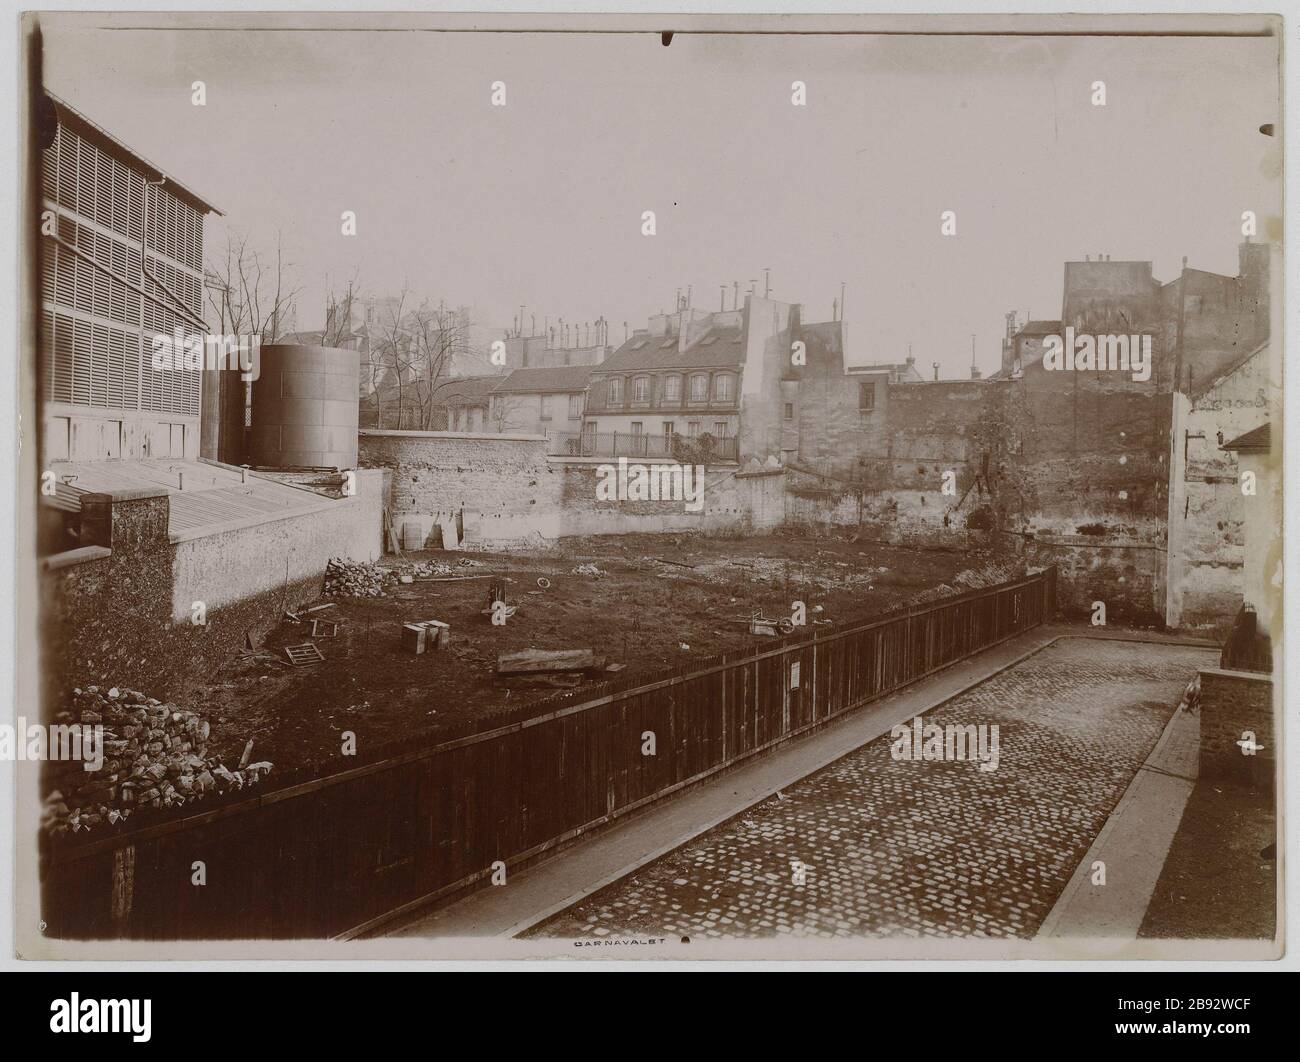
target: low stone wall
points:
(1235, 705)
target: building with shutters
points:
(121, 262)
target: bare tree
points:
(438, 337)
(338, 315)
(504, 411)
(249, 291)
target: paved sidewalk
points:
(879, 847)
(540, 892)
(1132, 846)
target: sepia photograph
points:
(602, 487)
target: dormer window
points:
(672, 388)
(614, 395)
(699, 388)
(641, 389)
(723, 389)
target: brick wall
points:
(1232, 703)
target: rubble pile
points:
(154, 755)
(354, 579)
(433, 569)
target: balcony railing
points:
(599, 403)
(627, 444)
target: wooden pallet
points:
(302, 655)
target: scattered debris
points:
(302, 655)
(679, 564)
(323, 628)
(544, 583)
(588, 569)
(615, 667)
(528, 660)
(756, 627)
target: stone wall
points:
(503, 490)
(1207, 510)
(1234, 704)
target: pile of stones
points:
(152, 755)
(354, 579)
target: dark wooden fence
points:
(337, 855)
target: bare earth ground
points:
(643, 612)
(1218, 883)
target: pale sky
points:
(539, 202)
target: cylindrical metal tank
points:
(305, 407)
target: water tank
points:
(305, 407)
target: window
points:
(641, 389)
(543, 407)
(615, 393)
(669, 427)
(720, 429)
(672, 388)
(866, 397)
(699, 388)
(789, 411)
(575, 406)
(722, 388)
(693, 428)
(637, 427)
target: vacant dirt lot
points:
(658, 602)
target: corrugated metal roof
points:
(213, 495)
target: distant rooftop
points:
(716, 348)
(568, 378)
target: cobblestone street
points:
(874, 846)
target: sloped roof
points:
(567, 378)
(466, 390)
(1039, 328)
(80, 123)
(1256, 441)
(1222, 374)
(718, 347)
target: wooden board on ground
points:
(526, 661)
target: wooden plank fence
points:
(338, 855)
